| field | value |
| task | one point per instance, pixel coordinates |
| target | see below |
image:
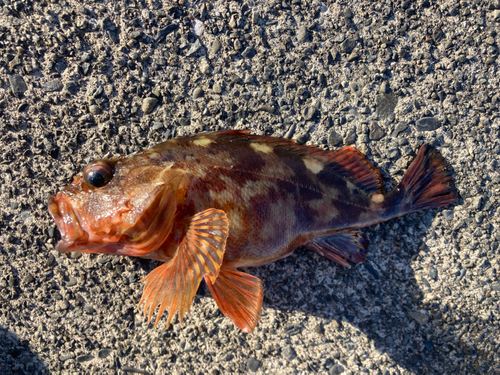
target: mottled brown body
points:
(275, 202)
(208, 204)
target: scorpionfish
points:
(208, 204)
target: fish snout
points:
(61, 210)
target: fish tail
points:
(427, 184)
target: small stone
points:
(84, 358)
(319, 329)
(334, 139)
(350, 138)
(253, 364)
(148, 104)
(103, 353)
(348, 45)
(448, 215)
(217, 88)
(419, 317)
(428, 123)
(302, 138)
(249, 52)
(376, 132)
(336, 369)
(302, 34)
(198, 27)
(197, 93)
(52, 86)
(216, 46)
(266, 108)
(400, 127)
(385, 88)
(94, 109)
(160, 37)
(228, 357)
(477, 202)
(136, 34)
(17, 85)
(255, 16)
(288, 352)
(386, 103)
(195, 47)
(309, 113)
(232, 22)
(205, 67)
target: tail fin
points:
(427, 183)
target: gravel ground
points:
(86, 80)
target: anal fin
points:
(173, 285)
(340, 248)
(239, 297)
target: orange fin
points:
(239, 297)
(173, 285)
(349, 245)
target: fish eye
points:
(98, 174)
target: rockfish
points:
(208, 204)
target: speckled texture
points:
(86, 80)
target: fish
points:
(209, 204)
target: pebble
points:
(94, 109)
(17, 85)
(216, 46)
(160, 36)
(399, 128)
(288, 352)
(386, 103)
(148, 104)
(302, 34)
(376, 132)
(419, 317)
(195, 47)
(197, 93)
(266, 108)
(53, 85)
(249, 52)
(309, 113)
(348, 45)
(84, 358)
(253, 364)
(448, 215)
(427, 124)
(302, 137)
(217, 88)
(336, 369)
(334, 139)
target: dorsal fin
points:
(353, 165)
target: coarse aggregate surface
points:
(81, 80)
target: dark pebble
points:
(334, 139)
(348, 45)
(372, 271)
(309, 113)
(17, 85)
(400, 127)
(160, 36)
(302, 138)
(84, 358)
(103, 353)
(288, 353)
(336, 369)
(253, 364)
(428, 123)
(249, 52)
(376, 132)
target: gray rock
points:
(53, 85)
(309, 113)
(94, 109)
(376, 132)
(385, 88)
(428, 123)
(399, 128)
(197, 92)
(448, 215)
(249, 52)
(84, 358)
(253, 364)
(266, 108)
(160, 36)
(334, 139)
(17, 85)
(420, 318)
(302, 34)
(195, 47)
(336, 369)
(148, 104)
(386, 103)
(302, 137)
(216, 46)
(348, 45)
(288, 352)
(217, 88)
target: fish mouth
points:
(67, 222)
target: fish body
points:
(208, 204)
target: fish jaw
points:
(66, 220)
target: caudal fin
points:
(427, 183)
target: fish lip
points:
(66, 220)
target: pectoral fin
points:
(239, 297)
(173, 285)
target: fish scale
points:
(208, 204)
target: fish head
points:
(117, 206)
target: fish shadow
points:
(17, 357)
(382, 298)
